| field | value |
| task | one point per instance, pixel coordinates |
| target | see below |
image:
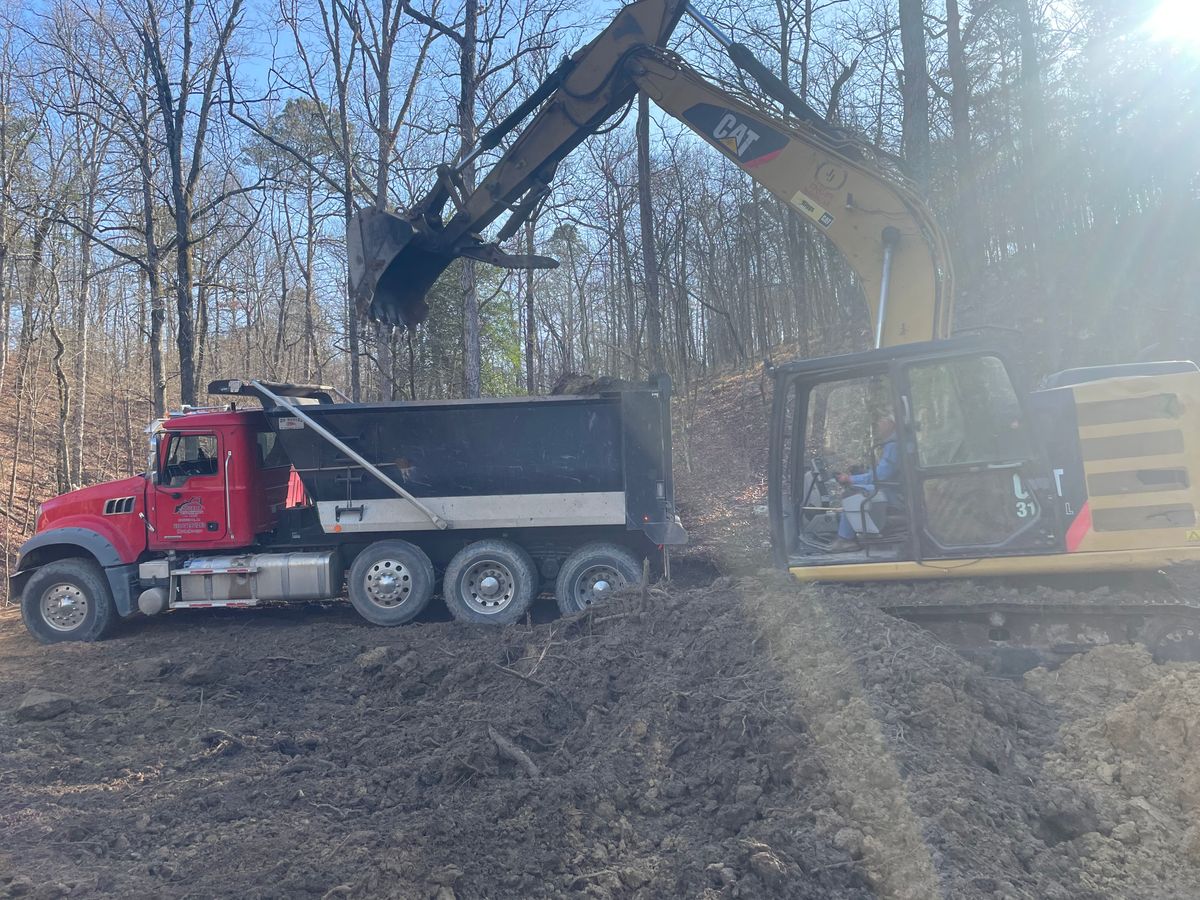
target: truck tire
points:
(592, 573)
(391, 582)
(68, 600)
(490, 582)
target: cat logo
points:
(737, 136)
(749, 142)
(812, 209)
(1193, 535)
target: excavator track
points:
(1040, 625)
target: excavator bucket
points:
(393, 265)
(390, 273)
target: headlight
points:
(37, 518)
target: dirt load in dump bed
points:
(747, 738)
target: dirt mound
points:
(1134, 746)
(749, 738)
(629, 753)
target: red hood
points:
(89, 501)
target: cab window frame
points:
(167, 479)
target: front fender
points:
(100, 547)
(60, 543)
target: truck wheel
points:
(490, 582)
(391, 582)
(68, 600)
(592, 573)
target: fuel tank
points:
(261, 576)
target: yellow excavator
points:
(952, 467)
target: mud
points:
(746, 738)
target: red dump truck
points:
(502, 498)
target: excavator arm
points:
(847, 189)
(394, 260)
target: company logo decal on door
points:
(193, 506)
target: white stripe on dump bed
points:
(494, 511)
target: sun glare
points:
(1176, 22)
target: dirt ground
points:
(744, 738)
(739, 737)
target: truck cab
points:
(216, 481)
(219, 480)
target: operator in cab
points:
(886, 469)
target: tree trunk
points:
(311, 357)
(185, 331)
(468, 87)
(971, 253)
(632, 332)
(75, 462)
(915, 91)
(158, 312)
(345, 158)
(1033, 121)
(530, 324)
(649, 251)
(62, 467)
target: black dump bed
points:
(601, 455)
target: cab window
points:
(965, 412)
(189, 456)
(841, 421)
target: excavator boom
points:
(848, 190)
(839, 183)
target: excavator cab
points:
(937, 456)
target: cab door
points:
(981, 488)
(190, 498)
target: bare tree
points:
(649, 251)
(185, 85)
(915, 87)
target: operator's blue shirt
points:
(885, 469)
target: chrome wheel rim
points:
(488, 586)
(64, 607)
(388, 583)
(596, 583)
